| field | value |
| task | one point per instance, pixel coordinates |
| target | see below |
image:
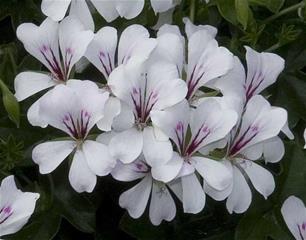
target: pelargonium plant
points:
(160, 119)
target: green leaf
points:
(227, 10)
(142, 228)
(272, 5)
(258, 225)
(242, 11)
(43, 227)
(10, 103)
(74, 207)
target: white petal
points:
(29, 83)
(215, 194)
(170, 48)
(135, 199)
(161, 5)
(125, 119)
(42, 43)
(259, 123)
(34, 116)
(171, 118)
(274, 150)
(163, 81)
(23, 207)
(164, 18)
(156, 152)
(130, 172)
(111, 110)
(8, 190)
(49, 155)
(261, 178)
(134, 41)
(130, 9)
(101, 51)
(232, 84)
(214, 173)
(176, 188)
(55, 9)
(241, 196)
(122, 148)
(193, 194)
(107, 9)
(210, 123)
(263, 70)
(98, 158)
(162, 206)
(286, 130)
(125, 78)
(190, 28)
(294, 214)
(73, 39)
(206, 61)
(81, 178)
(80, 10)
(168, 171)
(72, 100)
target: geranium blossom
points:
(208, 123)
(74, 108)
(206, 61)
(255, 138)
(294, 214)
(105, 54)
(262, 71)
(58, 47)
(143, 89)
(16, 207)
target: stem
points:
(192, 10)
(273, 47)
(50, 179)
(283, 12)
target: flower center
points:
(5, 213)
(144, 102)
(77, 126)
(141, 167)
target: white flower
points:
(143, 89)
(255, 138)
(208, 123)
(109, 9)
(294, 214)
(135, 41)
(47, 43)
(74, 108)
(262, 71)
(16, 207)
(206, 60)
(135, 200)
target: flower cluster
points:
(181, 114)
